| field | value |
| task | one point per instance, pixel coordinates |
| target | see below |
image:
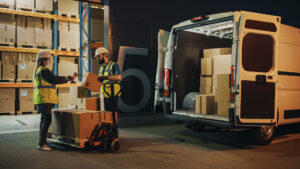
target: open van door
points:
(257, 68)
(162, 38)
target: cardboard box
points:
(205, 90)
(198, 104)
(222, 64)
(26, 57)
(206, 66)
(88, 104)
(208, 53)
(7, 94)
(222, 94)
(9, 72)
(64, 26)
(25, 36)
(68, 7)
(26, 93)
(26, 105)
(63, 97)
(46, 41)
(207, 104)
(8, 34)
(26, 70)
(221, 81)
(44, 5)
(33, 22)
(74, 27)
(205, 82)
(68, 60)
(90, 82)
(7, 106)
(69, 39)
(77, 92)
(8, 2)
(9, 58)
(222, 108)
(28, 4)
(74, 123)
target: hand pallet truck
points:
(106, 132)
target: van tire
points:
(195, 126)
(264, 134)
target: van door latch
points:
(260, 79)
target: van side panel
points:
(288, 75)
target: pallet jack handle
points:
(112, 96)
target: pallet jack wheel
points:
(115, 146)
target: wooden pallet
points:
(24, 81)
(26, 46)
(26, 9)
(68, 49)
(7, 44)
(70, 141)
(43, 47)
(26, 112)
(68, 15)
(7, 80)
(7, 113)
(43, 11)
(7, 6)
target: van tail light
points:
(232, 94)
(167, 82)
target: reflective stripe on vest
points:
(108, 72)
(43, 92)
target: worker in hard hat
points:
(44, 93)
(109, 71)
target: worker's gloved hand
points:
(102, 78)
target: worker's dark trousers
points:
(108, 106)
(45, 111)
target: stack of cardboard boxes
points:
(68, 36)
(8, 29)
(39, 5)
(9, 62)
(214, 82)
(7, 100)
(26, 65)
(26, 100)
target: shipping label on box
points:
(91, 82)
(222, 94)
(26, 93)
(221, 81)
(222, 64)
(206, 82)
(208, 53)
(206, 66)
(205, 90)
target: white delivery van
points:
(264, 73)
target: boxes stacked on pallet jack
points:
(9, 62)
(8, 30)
(7, 100)
(214, 82)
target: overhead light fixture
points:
(102, 8)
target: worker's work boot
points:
(44, 148)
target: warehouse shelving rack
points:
(55, 52)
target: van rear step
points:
(208, 120)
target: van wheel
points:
(264, 134)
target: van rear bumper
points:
(208, 120)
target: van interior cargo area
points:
(189, 50)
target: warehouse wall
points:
(136, 23)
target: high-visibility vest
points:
(108, 72)
(43, 92)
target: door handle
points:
(260, 79)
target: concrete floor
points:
(160, 146)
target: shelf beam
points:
(17, 85)
(66, 53)
(23, 50)
(27, 13)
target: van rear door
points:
(257, 70)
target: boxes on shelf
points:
(25, 36)
(26, 99)
(10, 3)
(44, 5)
(43, 37)
(69, 40)
(28, 4)
(209, 53)
(26, 57)
(88, 104)
(7, 100)
(9, 62)
(26, 70)
(63, 97)
(8, 29)
(66, 7)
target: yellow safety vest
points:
(108, 72)
(43, 92)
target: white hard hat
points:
(44, 55)
(100, 51)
